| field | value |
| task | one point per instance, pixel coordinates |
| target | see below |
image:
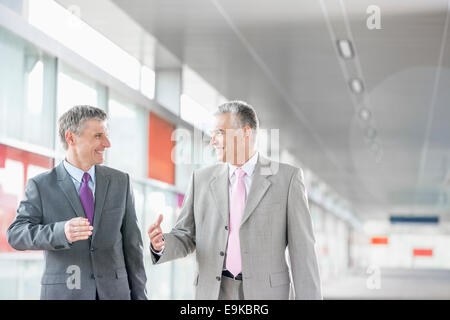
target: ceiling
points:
(281, 57)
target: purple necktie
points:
(87, 199)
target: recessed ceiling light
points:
(345, 49)
(371, 133)
(356, 85)
(364, 114)
(379, 155)
(375, 147)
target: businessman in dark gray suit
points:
(82, 215)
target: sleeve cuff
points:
(60, 239)
(159, 253)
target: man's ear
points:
(247, 131)
(69, 138)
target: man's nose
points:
(212, 142)
(106, 143)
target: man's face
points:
(90, 145)
(228, 140)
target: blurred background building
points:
(357, 92)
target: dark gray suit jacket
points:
(110, 262)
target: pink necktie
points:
(238, 194)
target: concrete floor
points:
(393, 284)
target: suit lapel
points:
(258, 189)
(101, 189)
(219, 190)
(65, 182)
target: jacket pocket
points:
(279, 278)
(54, 278)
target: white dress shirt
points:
(249, 168)
(77, 176)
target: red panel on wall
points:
(9, 199)
(160, 146)
(423, 252)
(379, 240)
(2, 155)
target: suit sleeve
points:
(301, 242)
(181, 240)
(27, 231)
(133, 249)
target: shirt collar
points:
(77, 173)
(248, 167)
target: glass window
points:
(21, 278)
(184, 269)
(198, 100)
(192, 151)
(127, 133)
(199, 90)
(183, 156)
(73, 89)
(194, 113)
(76, 89)
(316, 216)
(13, 5)
(160, 282)
(27, 90)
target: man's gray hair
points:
(244, 112)
(74, 119)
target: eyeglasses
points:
(221, 132)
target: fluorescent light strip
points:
(356, 86)
(345, 49)
(63, 26)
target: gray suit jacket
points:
(276, 216)
(109, 262)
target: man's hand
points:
(156, 235)
(77, 229)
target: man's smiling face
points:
(228, 139)
(92, 142)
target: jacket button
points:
(226, 227)
(218, 278)
(222, 253)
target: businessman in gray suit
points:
(82, 215)
(240, 216)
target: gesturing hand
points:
(77, 229)
(156, 235)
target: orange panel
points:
(2, 155)
(423, 252)
(160, 146)
(379, 240)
